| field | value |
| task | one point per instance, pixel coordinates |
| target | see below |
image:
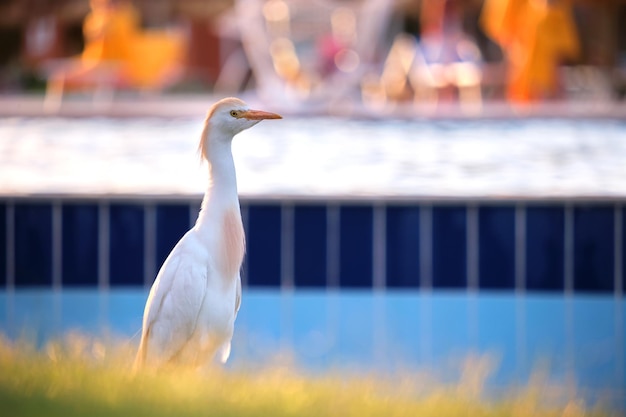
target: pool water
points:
(577, 341)
(319, 157)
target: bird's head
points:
(228, 117)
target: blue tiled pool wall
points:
(512, 246)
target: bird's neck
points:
(222, 176)
(221, 193)
(219, 223)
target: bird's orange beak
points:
(259, 115)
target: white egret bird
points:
(190, 313)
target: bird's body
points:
(190, 313)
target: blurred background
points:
(371, 51)
(447, 183)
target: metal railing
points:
(356, 239)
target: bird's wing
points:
(174, 305)
(160, 288)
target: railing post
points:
(520, 248)
(473, 249)
(569, 249)
(426, 246)
(379, 247)
(333, 235)
(286, 246)
(104, 247)
(57, 245)
(149, 245)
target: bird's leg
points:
(205, 355)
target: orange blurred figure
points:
(108, 29)
(535, 36)
(118, 53)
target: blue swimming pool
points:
(575, 342)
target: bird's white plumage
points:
(190, 313)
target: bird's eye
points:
(234, 113)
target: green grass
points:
(83, 377)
